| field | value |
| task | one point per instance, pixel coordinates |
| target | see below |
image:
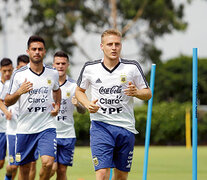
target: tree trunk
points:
(113, 13)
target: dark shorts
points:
(65, 151)
(111, 146)
(11, 148)
(2, 146)
(30, 146)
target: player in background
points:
(36, 88)
(114, 82)
(23, 60)
(64, 120)
(11, 116)
(6, 69)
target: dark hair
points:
(35, 38)
(6, 62)
(61, 54)
(22, 58)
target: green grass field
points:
(165, 163)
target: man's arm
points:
(7, 113)
(57, 102)
(11, 99)
(80, 108)
(83, 99)
(143, 94)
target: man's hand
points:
(74, 101)
(132, 90)
(25, 87)
(143, 94)
(93, 107)
(8, 115)
(56, 108)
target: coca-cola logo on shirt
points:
(42, 90)
(113, 90)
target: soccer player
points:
(35, 87)
(64, 120)
(23, 60)
(114, 82)
(11, 115)
(6, 72)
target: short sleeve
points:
(139, 78)
(56, 81)
(83, 80)
(14, 84)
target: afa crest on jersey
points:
(95, 161)
(11, 159)
(18, 157)
(67, 94)
(123, 79)
(49, 81)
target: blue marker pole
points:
(111, 174)
(148, 126)
(194, 111)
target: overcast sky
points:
(194, 37)
(172, 45)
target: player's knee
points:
(120, 178)
(14, 168)
(102, 174)
(24, 169)
(33, 165)
(52, 173)
(11, 168)
(1, 164)
(47, 163)
(120, 175)
(61, 170)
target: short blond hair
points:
(111, 32)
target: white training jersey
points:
(11, 124)
(35, 106)
(64, 120)
(107, 86)
(2, 116)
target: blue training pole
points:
(111, 174)
(148, 126)
(194, 111)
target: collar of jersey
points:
(111, 69)
(35, 72)
(64, 82)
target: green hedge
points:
(167, 125)
(82, 126)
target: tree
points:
(0, 25)
(143, 20)
(173, 81)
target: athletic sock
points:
(8, 177)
